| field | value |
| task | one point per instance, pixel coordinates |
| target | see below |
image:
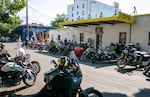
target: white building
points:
(85, 9)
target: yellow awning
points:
(121, 18)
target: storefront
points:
(103, 30)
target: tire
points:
(36, 68)
(94, 60)
(146, 71)
(95, 93)
(29, 80)
(121, 63)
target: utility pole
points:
(27, 24)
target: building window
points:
(122, 37)
(149, 39)
(77, 12)
(72, 8)
(72, 14)
(81, 37)
(82, 12)
(82, 5)
(77, 6)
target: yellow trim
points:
(122, 17)
(125, 18)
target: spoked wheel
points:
(29, 78)
(35, 67)
(121, 63)
(94, 93)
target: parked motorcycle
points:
(5, 57)
(42, 47)
(102, 55)
(62, 81)
(12, 73)
(2, 46)
(88, 54)
(134, 58)
(146, 63)
(32, 65)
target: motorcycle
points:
(63, 82)
(32, 65)
(42, 47)
(2, 46)
(12, 73)
(5, 57)
(133, 58)
(102, 55)
(88, 54)
(146, 62)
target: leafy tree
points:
(59, 18)
(8, 15)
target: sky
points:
(44, 11)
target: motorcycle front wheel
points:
(121, 63)
(95, 93)
(29, 78)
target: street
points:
(107, 78)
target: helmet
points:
(20, 52)
(62, 60)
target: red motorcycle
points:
(78, 51)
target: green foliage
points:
(8, 15)
(59, 18)
(4, 29)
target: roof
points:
(36, 28)
(121, 18)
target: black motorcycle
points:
(134, 58)
(12, 73)
(2, 46)
(88, 54)
(64, 82)
(146, 62)
(102, 55)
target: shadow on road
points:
(125, 70)
(143, 93)
(2, 94)
(106, 94)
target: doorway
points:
(98, 40)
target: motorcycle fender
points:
(87, 91)
(34, 62)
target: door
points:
(98, 40)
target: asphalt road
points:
(107, 78)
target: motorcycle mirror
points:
(53, 62)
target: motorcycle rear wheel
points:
(121, 63)
(36, 68)
(95, 93)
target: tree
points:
(59, 18)
(8, 15)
